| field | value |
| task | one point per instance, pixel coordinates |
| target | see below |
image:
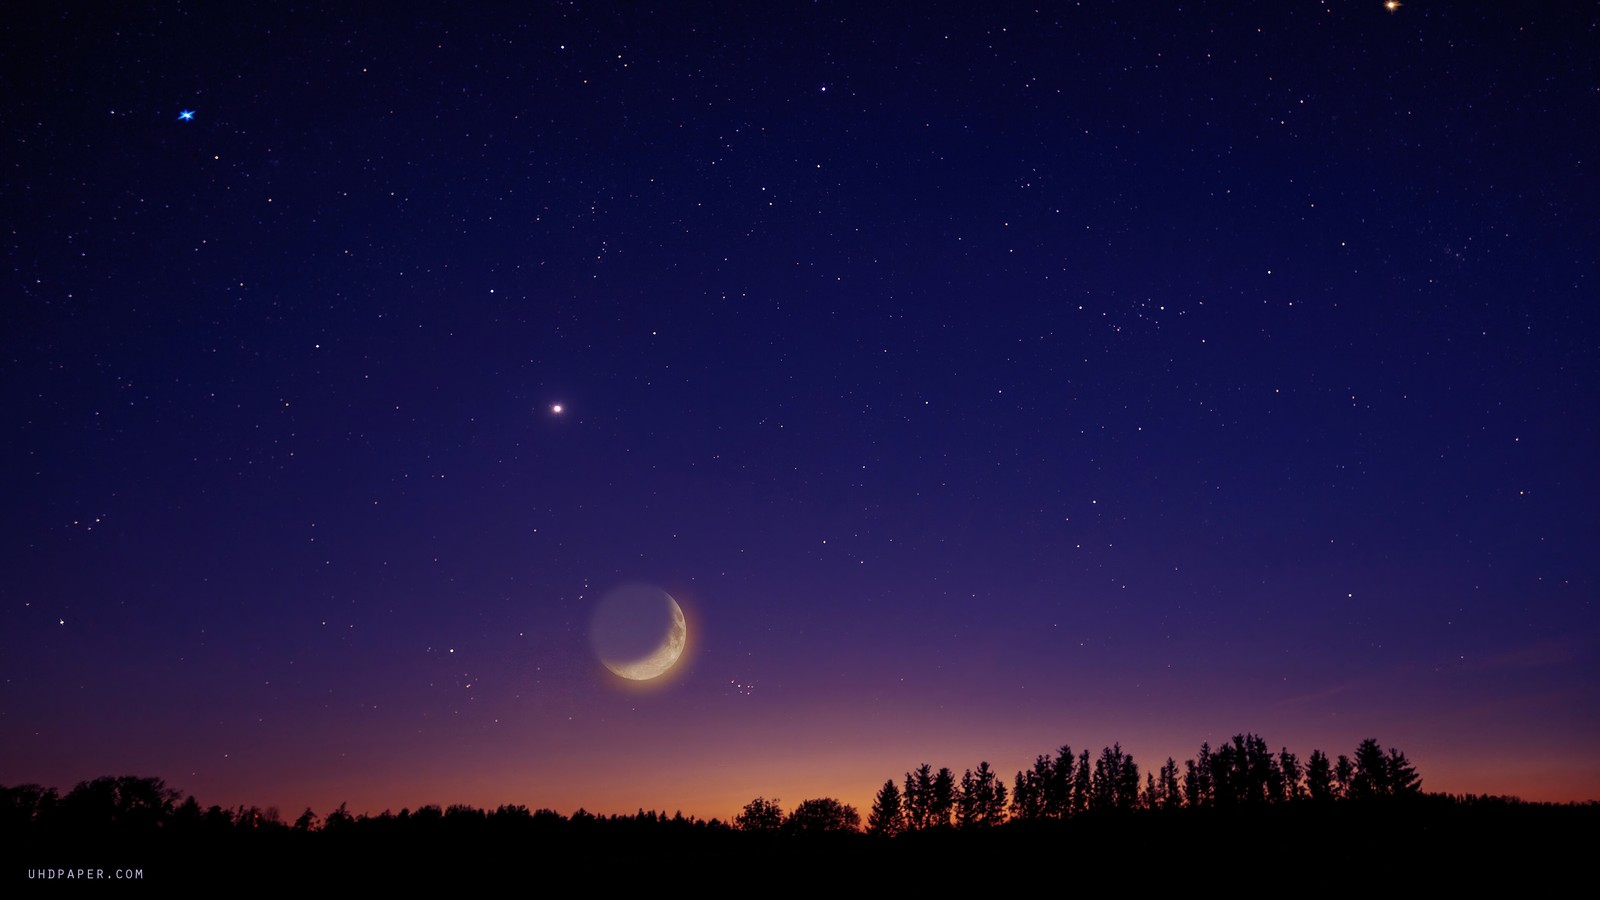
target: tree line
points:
(1195, 817)
(132, 806)
(1238, 774)
(1241, 773)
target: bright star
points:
(186, 116)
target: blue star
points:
(186, 116)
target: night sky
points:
(979, 378)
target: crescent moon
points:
(662, 658)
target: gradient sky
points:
(979, 379)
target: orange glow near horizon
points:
(623, 778)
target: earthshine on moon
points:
(639, 632)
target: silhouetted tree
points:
(188, 815)
(943, 805)
(1116, 781)
(459, 813)
(1403, 777)
(886, 817)
(1264, 779)
(1277, 786)
(1243, 772)
(336, 820)
(1025, 798)
(988, 801)
(1171, 797)
(125, 803)
(1371, 771)
(512, 813)
(1343, 774)
(310, 821)
(1058, 787)
(1382, 775)
(1222, 769)
(24, 805)
(821, 816)
(1103, 790)
(546, 818)
(967, 801)
(1319, 777)
(254, 818)
(217, 819)
(1040, 778)
(1199, 789)
(1028, 790)
(432, 814)
(1128, 783)
(760, 814)
(918, 798)
(1081, 784)
(1289, 765)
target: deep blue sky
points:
(979, 379)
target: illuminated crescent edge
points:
(664, 656)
